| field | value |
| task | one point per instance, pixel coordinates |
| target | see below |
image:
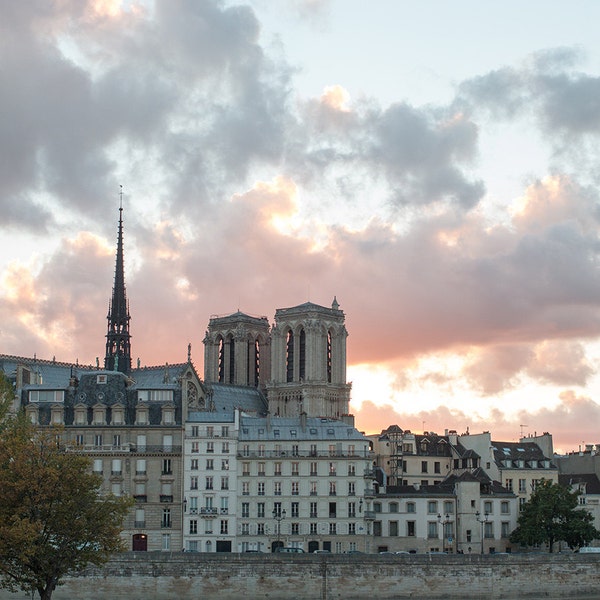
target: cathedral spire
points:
(118, 339)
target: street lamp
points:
(483, 520)
(443, 523)
(278, 515)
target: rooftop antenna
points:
(521, 426)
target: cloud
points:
(572, 421)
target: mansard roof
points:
(296, 429)
(529, 452)
(158, 377)
(590, 480)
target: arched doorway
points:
(140, 542)
(275, 545)
(312, 546)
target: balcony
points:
(224, 511)
(208, 511)
(140, 498)
(166, 498)
(139, 524)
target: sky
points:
(433, 165)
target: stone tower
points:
(237, 350)
(118, 339)
(308, 362)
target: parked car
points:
(321, 551)
(289, 549)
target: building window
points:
(487, 507)
(295, 447)
(79, 441)
(332, 468)
(224, 527)
(313, 529)
(277, 469)
(260, 510)
(260, 529)
(224, 431)
(351, 488)
(423, 466)
(210, 447)
(295, 469)
(98, 439)
(505, 508)
(210, 465)
(314, 510)
(246, 469)
(295, 509)
(332, 488)
(394, 528)
(448, 507)
(261, 450)
(195, 447)
(522, 486)
(313, 488)
(245, 510)
(313, 469)
(166, 466)
(225, 448)
(166, 518)
(437, 467)
(489, 530)
(261, 488)
(432, 529)
(432, 507)
(508, 484)
(224, 483)
(295, 488)
(277, 488)
(352, 509)
(393, 507)
(410, 507)
(410, 528)
(166, 542)
(505, 529)
(377, 507)
(209, 483)
(193, 482)
(351, 469)
(193, 527)
(194, 464)
(225, 464)
(261, 469)
(333, 528)
(295, 528)
(245, 529)
(245, 488)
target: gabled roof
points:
(526, 451)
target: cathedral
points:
(258, 453)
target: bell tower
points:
(118, 339)
(308, 362)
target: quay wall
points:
(165, 576)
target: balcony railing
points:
(208, 511)
(306, 453)
(166, 498)
(140, 498)
(124, 448)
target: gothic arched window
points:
(289, 357)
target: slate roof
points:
(54, 374)
(592, 483)
(529, 452)
(280, 428)
(226, 398)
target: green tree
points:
(7, 394)
(553, 514)
(52, 518)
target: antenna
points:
(120, 197)
(521, 426)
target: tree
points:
(52, 518)
(552, 514)
(7, 394)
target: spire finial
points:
(118, 344)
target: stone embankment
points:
(160, 576)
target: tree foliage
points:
(553, 514)
(7, 394)
(52, 518)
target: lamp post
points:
(443, 523)
(482, 519)
(278, 515)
